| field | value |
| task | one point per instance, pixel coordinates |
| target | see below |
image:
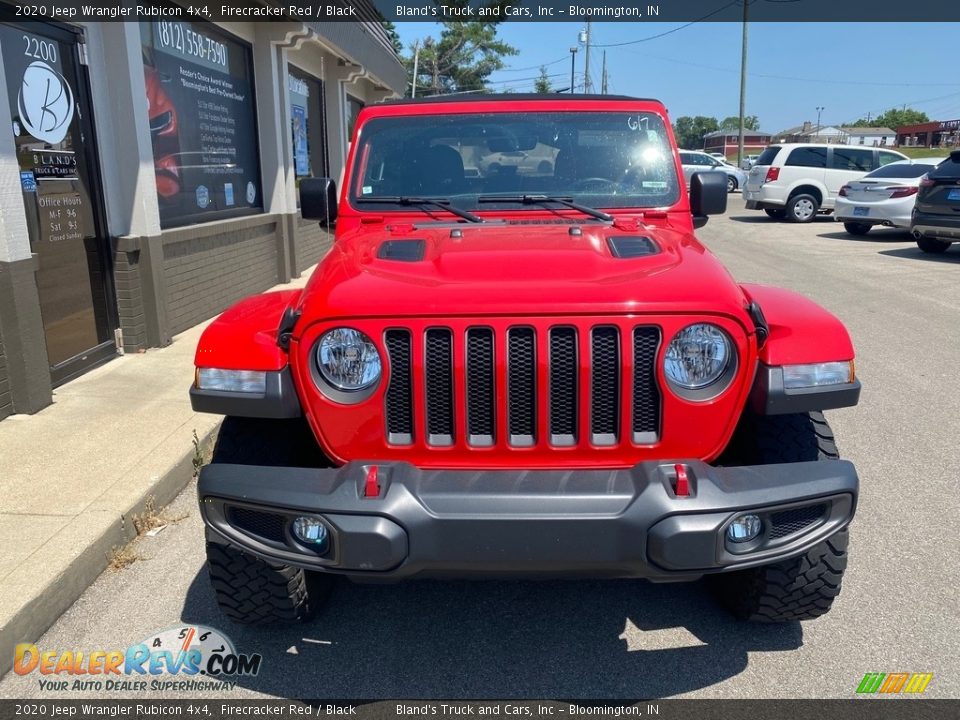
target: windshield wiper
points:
(543, 199)
(436, 202)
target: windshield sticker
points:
(653, 184)
(366, 189)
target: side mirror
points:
(318, 200)
(708, 196)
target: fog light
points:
(744, 529)
(310, 532)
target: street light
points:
(573, 60)
(820, 109)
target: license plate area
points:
(861, 211)
(953, 194)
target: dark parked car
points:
(936, 216)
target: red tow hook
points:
(371, 486)
(682, 488)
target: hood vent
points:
(626, 247)
(402, 250)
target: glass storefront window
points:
(202, 122)
(307, 125)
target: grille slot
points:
(399, 397)
(564, 369)
(604, 385)
(268, 526)
(521, 386)
(646, 392)
(481, 387)
(788, 522)
(438, 363)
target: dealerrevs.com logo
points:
(894, 683)
(185, 658)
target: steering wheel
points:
(596, 183)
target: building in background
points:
(727, 142)
(150, 174)
(809, 132)
(937, 133)
(869, 136)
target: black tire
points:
(545, 167)
(251, 591)
(731, 183)
(802, 208)
(803, 587)
(775, 213)
(247, 589)
(932, 245)
(855, 228)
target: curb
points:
(94, 534)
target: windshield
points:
(602, 159)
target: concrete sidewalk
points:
(73, 475)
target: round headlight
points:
(348, 359)
(697, 356)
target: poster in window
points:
(202, 122)
(301, 154)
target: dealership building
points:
(148, 176)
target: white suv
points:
(798, 180)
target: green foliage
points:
(542, 85)
(394, 36)
(750, 122)
(462, 59)
(894, 118)
(690, 130)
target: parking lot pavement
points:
(897, 612)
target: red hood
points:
(518, 269)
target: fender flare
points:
(799, 332)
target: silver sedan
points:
(883, 197)
(696, 161)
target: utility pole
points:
(587, 85)
(743, 85)
(416, 63)
(820, 109)
(603, 81)
(573, 65)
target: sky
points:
(793, 68)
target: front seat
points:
(438, 170)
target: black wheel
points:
(251, 591)
(802, 208)
(775, 213)
(247, 589)
(932, 245)
(545, 167)
(855, 228)
(731, 183)
(803, 587)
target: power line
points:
(670, 32)
(537, 67)
(824, 81)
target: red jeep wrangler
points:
(527, 368)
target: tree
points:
(750, 122)
(461, 59)
(542, 85)
(394, 36)
(894, 118)
(690, 130)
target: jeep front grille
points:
(551, 385)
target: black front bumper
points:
(598, 523)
